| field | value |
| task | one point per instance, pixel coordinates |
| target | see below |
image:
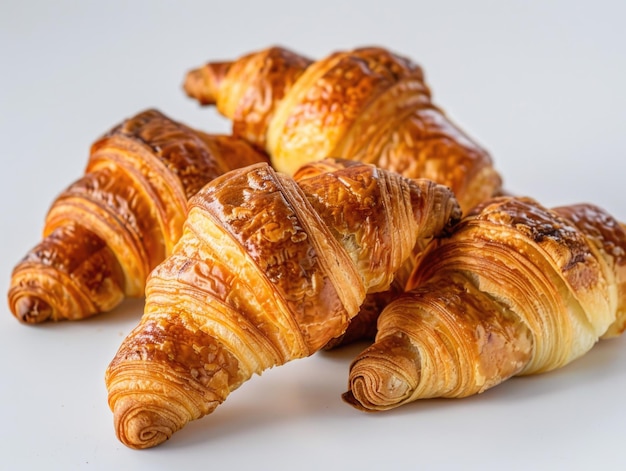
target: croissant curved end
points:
(204, 82)
(31, 309)
(140, 426)
(45, 297)
(369, 391)
(380, 382)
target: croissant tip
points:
(381, 381)
(139, 427)
(369, 395)
(203, 83)
(192, 84)
(32, 309)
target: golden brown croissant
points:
(267, 270)
(367, 104)
(516, 289)
(106, 231)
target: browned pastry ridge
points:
(367, 104)
(267, 270)
(107, 230)
(515, 289)
(363, 325)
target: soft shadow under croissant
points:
(516, 289)
(267, 270)
(107, 230)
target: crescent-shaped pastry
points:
(366, 104)
(267, 270)
(515, 289)
(107, 230)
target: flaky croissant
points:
(516, 289)
(366, 104)
(106, 231)
(267, 270)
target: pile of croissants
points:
(344, 206)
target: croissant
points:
(106, 231)
(366, 104)
(267, 270)
(515, 289)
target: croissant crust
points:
(515, 289)
(106, 231)
(268, 270)
(366, 104)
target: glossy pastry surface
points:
(515, 289)
(268, 270)
(367, 104)
(106, 231)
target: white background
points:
(540, 84)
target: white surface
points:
(540, 84)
